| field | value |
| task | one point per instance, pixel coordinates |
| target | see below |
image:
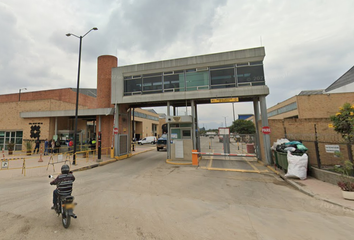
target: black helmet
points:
(65, 169)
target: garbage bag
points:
(297, 166)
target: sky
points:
(308, 44)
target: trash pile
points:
(284, 145)
(291, 157)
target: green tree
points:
(343, 123)
(243, 127)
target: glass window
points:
(186, 133)
(197, 81)
(131, 86)
(223, 78)
(251, 75)
(173, 82)
(152, 85)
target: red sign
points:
(115, 130)
(266, 130)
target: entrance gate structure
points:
(191, 81)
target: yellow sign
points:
(223, 100)
(330, 125)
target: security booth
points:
(180, 134)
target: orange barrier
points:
(195, 158)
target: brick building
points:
(54, 112)
(305, 117)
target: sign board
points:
(266, 130)
(174, 135)
(115, 130)
(223, 100)
(332, 148)
(224, 131)
(4, 164)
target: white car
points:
(151, 140)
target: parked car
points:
(161, 143)
(150, 139)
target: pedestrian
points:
(70, 144)
(53, 146)
(57, 146)
(46, 145)
(37, 146)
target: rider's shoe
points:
(53, 207)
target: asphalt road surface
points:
(143, 197)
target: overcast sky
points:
(308, 44)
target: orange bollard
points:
(195, 158)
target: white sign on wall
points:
(4, 164)
(332, 148)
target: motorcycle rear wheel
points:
(65, 219)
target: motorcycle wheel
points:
(65, 219)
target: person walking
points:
(53, 145)
(46, 145)
(36, 149)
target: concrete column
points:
(193, 126)
(168, 133)
(256, 119)
(56, 126)
(116, 125)
(266, 137)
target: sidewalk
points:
(318, 189)
(51, 164)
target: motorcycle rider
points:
(64, 183)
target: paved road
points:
(145, 198)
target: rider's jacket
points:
(64, 183)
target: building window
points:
(250, 76)
(15, 137)
(132, 86)
(224, 78)
(197, 81)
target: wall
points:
(322, 106)
(304, 130)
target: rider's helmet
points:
(65, 169)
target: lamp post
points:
(19, 93)
(77, 88)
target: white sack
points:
(297, 166)
(279, 142)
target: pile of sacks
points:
(284, 145)
(296, 156)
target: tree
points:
(343, 123)
(243, 127)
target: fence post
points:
(317, 149)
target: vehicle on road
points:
(65, 206)
(161, 143)
(147, 140)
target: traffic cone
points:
(40, 156)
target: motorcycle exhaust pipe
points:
(73, 216)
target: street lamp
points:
(19, 93)
(77, 88)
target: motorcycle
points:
(65, 207)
